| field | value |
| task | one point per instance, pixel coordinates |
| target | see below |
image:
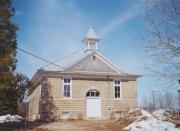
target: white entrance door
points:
(93, 104)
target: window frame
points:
(95, 95)
(114, 85)
(70, 84)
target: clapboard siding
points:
(77, 104)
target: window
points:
(65, 115)
(92, 46)
(67, 87)
(117, 89)
(92, 93)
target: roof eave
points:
(95, 73)
(37, 75)
(93, 39)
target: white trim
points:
(118, 72)
(120, 98)
(40, 100)
(103, 59)
(96, 46)
(95, 98)
(107, 62)
(118, 69)
(67, 98)
(85, 99)
(92, 90)
(88, 45)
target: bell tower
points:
(91, 40)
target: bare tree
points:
(153, 95)
(169, 100)
(161, 100)
(145, 102)
(178, 99)
(163, 37)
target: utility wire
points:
(44, 59)
(65, 57)
(39, 58)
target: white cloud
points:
(53, 31)
(122, 18)
(55, 28)
(118, 21)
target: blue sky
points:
(52, 29)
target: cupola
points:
(91, 40)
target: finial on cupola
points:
(91, 39)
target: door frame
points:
(93, 97)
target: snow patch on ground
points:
(145, 113)
(160, 114)
(134, 109)
(147, 122)
(10, 118)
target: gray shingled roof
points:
(67, 62)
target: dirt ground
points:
(81, 125)
(84, 125)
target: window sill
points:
(65, 98)
(117, 99)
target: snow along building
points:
(81, 86)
